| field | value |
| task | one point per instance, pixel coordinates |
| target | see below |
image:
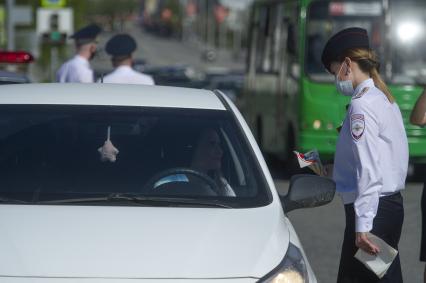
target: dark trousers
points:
(387, 225)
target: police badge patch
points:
(357, 126)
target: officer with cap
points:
(121, 47)
(77, 69)
(371, 159)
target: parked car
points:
(139, 64)
(13, 78)
(175, 75)
(232, 85)
(18, 62)
(130, 183)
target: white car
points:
(128, 183)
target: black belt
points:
(393, 196)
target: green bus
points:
(291, 102)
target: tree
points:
(112, 12)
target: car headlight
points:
(291, 270)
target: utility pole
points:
(10, 4)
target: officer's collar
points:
(124, 67)
(367, 83)
(82, 59)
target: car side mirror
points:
(308, 191)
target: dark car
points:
(13, 78)
(180, 75)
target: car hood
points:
(140, 242)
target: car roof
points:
(109, 95)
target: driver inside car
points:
(206, 159)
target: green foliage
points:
(80, 12)
(112, 10)
(175, 7)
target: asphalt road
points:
(161, 51)
(321, 233)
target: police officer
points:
(371, 158)
(121, 47)
(77, 69)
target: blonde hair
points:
(368, 63)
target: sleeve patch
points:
(357, 126)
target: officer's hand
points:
(362, 242)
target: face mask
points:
(344, 87)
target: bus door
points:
(263, 73)
(289, 76)
(272, 56)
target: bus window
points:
(328, 17)
(291, 46)
(408, 24)
(276, 33)
(267, 46)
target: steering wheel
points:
(149, 186)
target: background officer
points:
(371, 159)
(121, 47)
(77, 69)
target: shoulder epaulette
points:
(361, 93)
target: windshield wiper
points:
(143, 200)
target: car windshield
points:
(325, 18)
(110, 155)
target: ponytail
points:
(380, 84)
(368, 63)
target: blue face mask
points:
(344, 87)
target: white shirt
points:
(75, 70)
(126, 75)
(371, 157)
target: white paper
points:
(379, 263)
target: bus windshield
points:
(326, 18)
(407, 31)
(402, 56)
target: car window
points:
(57, 152)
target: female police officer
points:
(371, 159)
